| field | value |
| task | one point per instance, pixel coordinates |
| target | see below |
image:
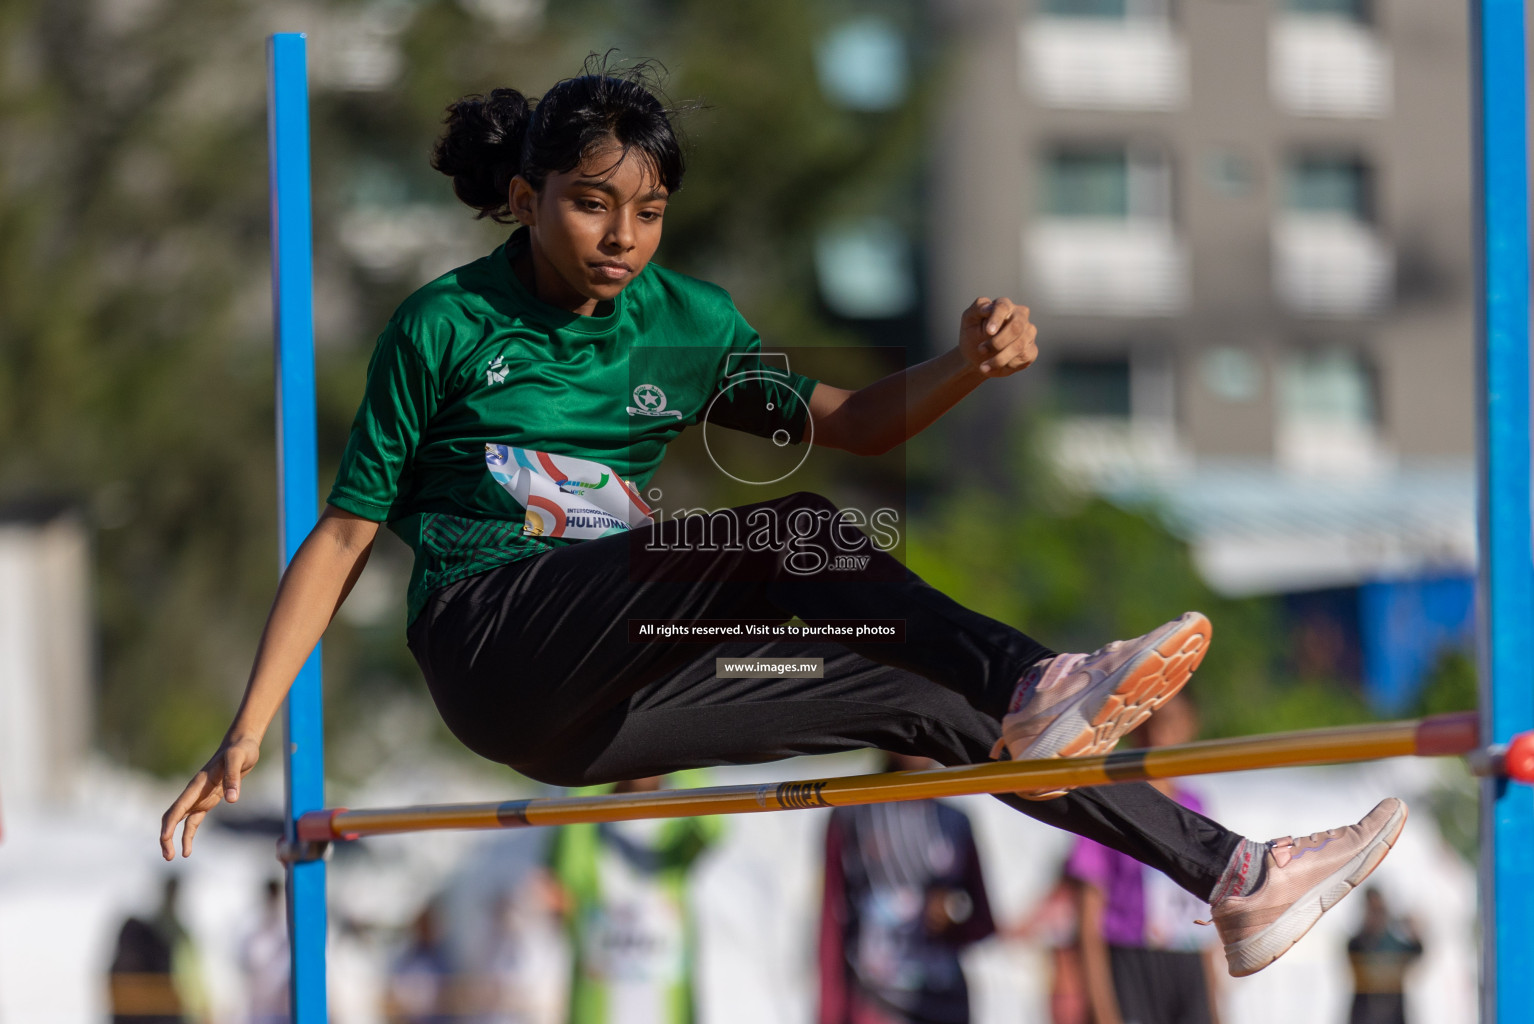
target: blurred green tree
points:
(133, 376)
(1452, 684)
(1075, 572)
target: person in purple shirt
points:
(1146, 960)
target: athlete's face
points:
(593, 228)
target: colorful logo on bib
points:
(650, 400)
(563, 496)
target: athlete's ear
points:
(522, 200)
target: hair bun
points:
(493, 138)
(481, 150)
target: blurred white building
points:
(1244, 232)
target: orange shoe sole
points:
(1153, 679)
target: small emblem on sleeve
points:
(496, 372)
(650, 400)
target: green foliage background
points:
(1075, 572)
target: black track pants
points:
(531, 665)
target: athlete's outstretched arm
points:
(318, 579)
(996, 339)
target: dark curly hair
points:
(492, 138)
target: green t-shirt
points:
(475, 359)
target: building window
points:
(1333, 386)
(862, 65)
(1087, 185)
(1328, 411)
(1329, 186)
(1096, 388)
(1104, 242)
(1125, 387)
(1113, 183)
(1328, 257)
(1351, 10)
(1119, 9)
(1115, 414)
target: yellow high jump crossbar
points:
(1440, 735)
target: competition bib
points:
(635, 938)
(564, 496)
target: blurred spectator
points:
(1144, 958)
(527, 965)
(904, 894)
(356, 985)
(1380, 955)
(503, 974)
(155, 978)
(420, 985)
(141, 984)
(624, 894)
(1055, 923)
(264, 960)
(513, 987)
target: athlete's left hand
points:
(996, 337)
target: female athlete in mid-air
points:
(514, 411)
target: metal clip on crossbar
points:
(303, 851)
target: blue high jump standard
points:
(298, 491)
(1506, 575)
(1506, 581)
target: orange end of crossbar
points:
(1444, 735)
(319, 826)
(1518, 762)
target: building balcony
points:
(1328, 67)
(1106, 266)
(1103, 63)
(1331, 266)
(1335, 450)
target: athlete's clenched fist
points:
(996, 337)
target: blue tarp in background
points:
(1404, 627)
